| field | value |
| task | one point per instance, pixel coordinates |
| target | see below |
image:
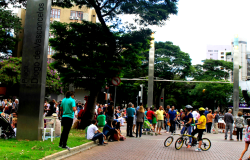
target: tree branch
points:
(105, 3)
(116, 5)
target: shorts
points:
(160, 124)
(134, 121)
(200, 132)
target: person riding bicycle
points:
(201, 127)
(188, 120)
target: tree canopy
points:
(8, 24)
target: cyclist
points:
(188, 120)
(201, 127)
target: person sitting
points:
(109, 131)
(101, 120)
(117, 134)
(93, 133)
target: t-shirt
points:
(203, 124)
(209, 118)
(121, 120)
(101, 120)
(150, 114)
(91, 131)
(172, 115)
(67, 105)
(160, 114)
(145, 113)
(130, 112)
(206, 112)
(186, 118)
(195, 115)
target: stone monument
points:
(33, 73)
(236, 76)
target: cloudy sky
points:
(206, 22)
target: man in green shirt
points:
(101, 120)
(68, 108)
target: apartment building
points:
(217, 52)
(67, 15)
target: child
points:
(246, 139)
(201, 127)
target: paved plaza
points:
(152, 147)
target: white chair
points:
(50, 126)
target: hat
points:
(54, 115)
(201, 109)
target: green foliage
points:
(228, 53)
(212, 69)
(8, 23)
(10, 74)
(83, 57)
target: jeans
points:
(209, 124)
(229, 126)
(239, 133)
(172, 127)
(189, 130)
(110, 133)
(138, 128)
(66, 123)
(129, 126)
(98, 136)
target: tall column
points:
(236, 77)
(33, 73)
(151, 72)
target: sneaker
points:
(66, 147)
(188, 146)
(225, 138)
(197, 150)
(231, 139)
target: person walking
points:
(172, 118)
(154, 119)
(228, 119)
(209, 121)
(130, 118)
(139, 120)
(239, 123)
(246, 139)
(68, 108)
(216, 119)
(160, 119)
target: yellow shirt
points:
(203, 124)
(159, 114)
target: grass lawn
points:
(13, 149)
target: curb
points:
(66, 153)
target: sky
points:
(205, 22)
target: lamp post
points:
(236, 76)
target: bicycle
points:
(206, 143)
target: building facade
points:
(217, 52)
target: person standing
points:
(172, 118)
(154, 119)
(160, 119)
(139, 120)
(110, 112)
(68, 108)
(228, 119)
(216, 119)
(239, 123)
(206, 112)
(130, 118)
(209, 121)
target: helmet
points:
(188, 106)
(201, 109)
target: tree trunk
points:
(90, 110)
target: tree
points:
(82, 56)
(8, 23)
(212, 69)
(10, 74)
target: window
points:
(210, 50)
(55, 13)
(50, 51)
(215, 50)
(211, 54)
(78, 14)
(222, 53)
(222, 57)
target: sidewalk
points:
(152, 147)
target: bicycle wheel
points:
(206, 144)
(168, 141)
(179, 143)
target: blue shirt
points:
(172, 115)
(106, 129)
(67, 105)
(130, 112)
(206, 112)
